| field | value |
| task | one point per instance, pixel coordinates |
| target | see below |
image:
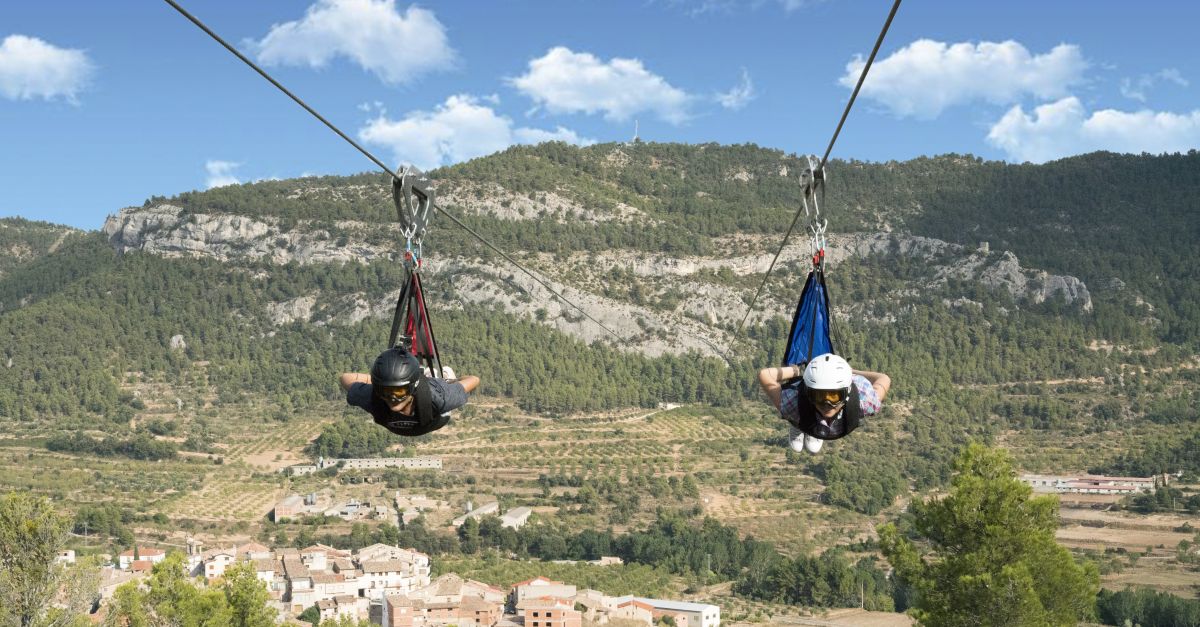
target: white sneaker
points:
(796, 438)
(813, 444)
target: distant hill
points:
(945, 271)
(24, 241)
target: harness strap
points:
(412, 317)
(423, 403)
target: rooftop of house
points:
(538, 581)
(252, 547)
(294, 568)
(144, 551)
(384, 566)
(675, 606)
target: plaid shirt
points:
(868, 400)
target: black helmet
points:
(395, 367)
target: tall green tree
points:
(34, 588)
(987, 555)
(171, 598)
(247, 597)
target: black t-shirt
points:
(445, 397)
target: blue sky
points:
(103, 104)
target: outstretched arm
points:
(350, 378)
(469, 383)
(771, 380)
(881, 382)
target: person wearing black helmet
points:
(401, 398)
(823, 400)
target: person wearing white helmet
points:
(824, 400)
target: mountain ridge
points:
(163, 230)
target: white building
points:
(1088, 484)
(388, 575)
(697, 614)
(477, 513)
(216, 561)
(329, 585)
(515, 518)
(265, 570)
(375, 463)
(539, 587)
(146, 553)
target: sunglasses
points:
(392, 394)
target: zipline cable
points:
(821, 168)
(379, 163)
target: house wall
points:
(533, 591)
(552, 617)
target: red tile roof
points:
(144, 551)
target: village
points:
(392, 586)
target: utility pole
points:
(862, 602)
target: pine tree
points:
(31, 536)
(992, 559)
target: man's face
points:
(828, 412)
(397, 398)
(401, 406)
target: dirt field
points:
(845, 618)
(1086, 501)
(1100, 538)
(1174, 580)
(1122, 520)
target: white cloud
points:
(31, 68)
(564, 81)
(220, 173)
(527, 135)
(1064, 128)
(460, 129)
(1136, 89)
(696, 8)
(925, 77)
(396, 47)
(740, 95)
(795, 5)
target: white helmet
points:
(828, 372)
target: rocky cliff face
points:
(678, 307)
(168, 231)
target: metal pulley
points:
(812, 180)
(412, 191)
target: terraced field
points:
(733, 459)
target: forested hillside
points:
(647, 234)
(25, 241)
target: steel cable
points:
(821, 168)
(379, 163)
